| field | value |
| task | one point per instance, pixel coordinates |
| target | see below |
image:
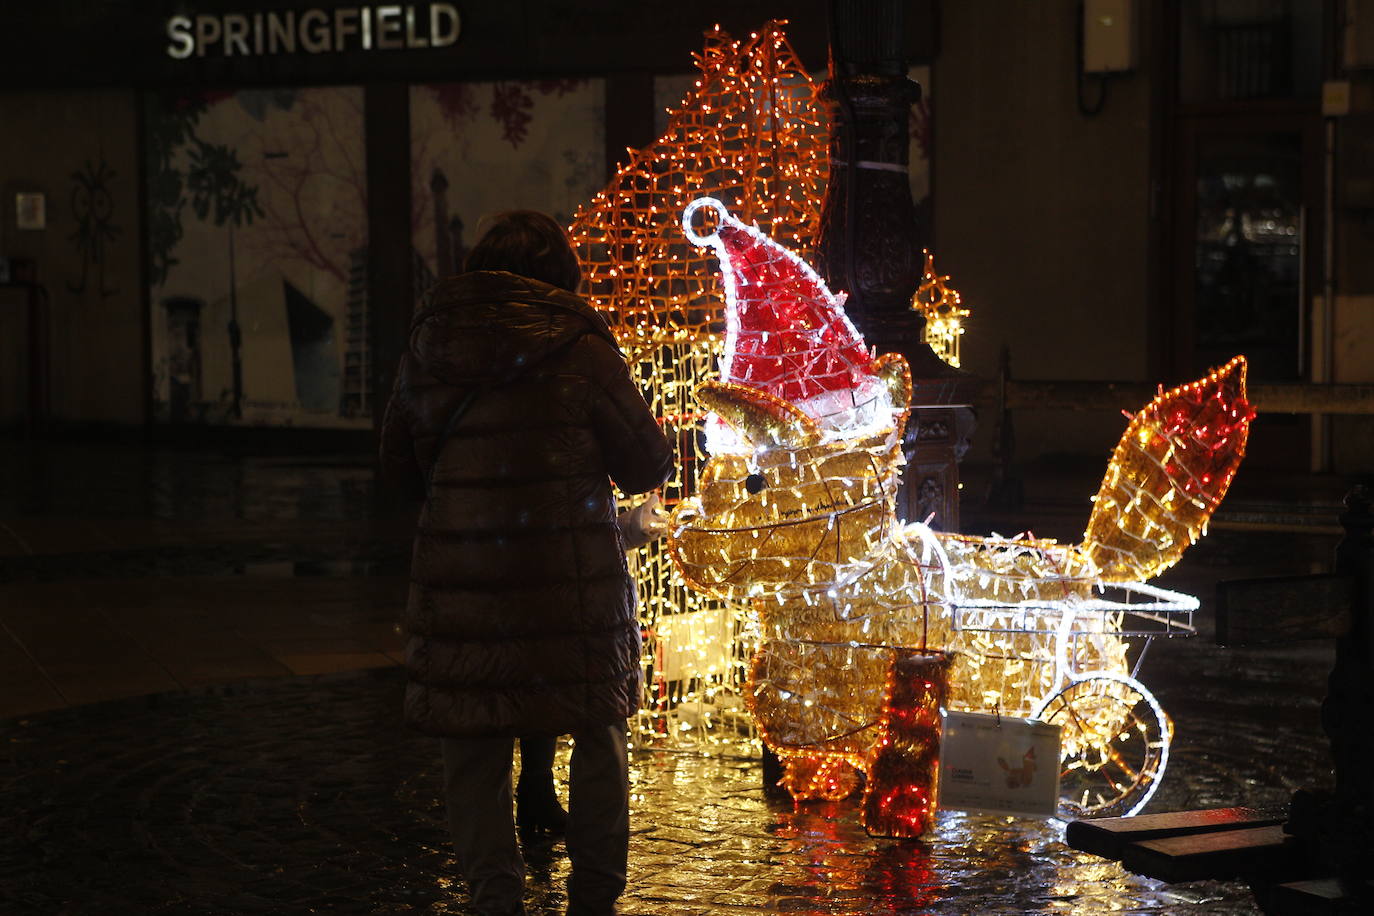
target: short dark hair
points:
(528, 243)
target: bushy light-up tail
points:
(1169, 471)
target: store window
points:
(1250, 49)
(478, 148)
(257, 257)
(1248, 253)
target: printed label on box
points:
(999, 765)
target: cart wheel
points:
(1114, 744)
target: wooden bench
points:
(1108, 837)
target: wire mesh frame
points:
(1047, 620)
(696, 647)
(751, 133)
(1054, 664)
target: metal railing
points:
(1004, 395)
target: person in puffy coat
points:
(513, 411)
(537, 810)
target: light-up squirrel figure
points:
(796, 514)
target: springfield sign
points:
(313, 31)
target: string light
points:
(943, 311)
(901, 792)
(796, 514)
(1167, 475)
(751, 131)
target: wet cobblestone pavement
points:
(306, 794)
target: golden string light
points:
(796, 514)
(749, 130)
(1167, 475)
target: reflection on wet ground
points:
(308, 795)
(282, 794)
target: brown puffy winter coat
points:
(521, 617)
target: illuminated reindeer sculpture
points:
(796, 514)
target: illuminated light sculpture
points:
(1169, 472)
(901, 792)
(943, 311)
(796, 513)
(748, 130)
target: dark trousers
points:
(536, 770)
(477, 792)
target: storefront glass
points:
(257, 230)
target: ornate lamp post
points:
(870, 242)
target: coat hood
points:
(486, 326)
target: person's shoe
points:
(540, 814)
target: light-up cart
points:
(1065, 646)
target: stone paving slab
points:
(301, 795)
(240, 555)
(291, 795)
(86, 640)
(22, 536)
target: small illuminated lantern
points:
(796, 514)
(943, 311)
